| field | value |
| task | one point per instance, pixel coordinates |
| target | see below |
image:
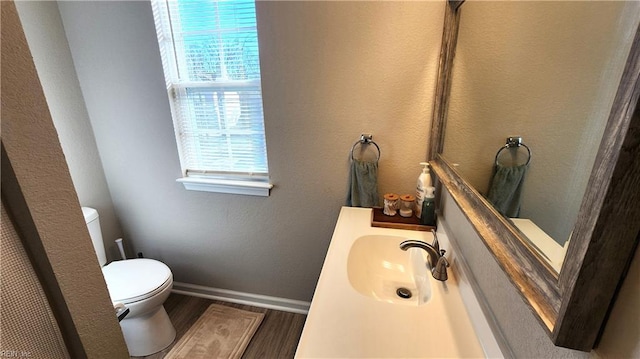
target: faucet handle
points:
(440, 271)
(435, 244)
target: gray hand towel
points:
(363, 184)
(505, 190)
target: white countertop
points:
(550, 250)
(343, 323)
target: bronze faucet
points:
(437, 262)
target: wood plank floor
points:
(277, 337)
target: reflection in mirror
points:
(548, 72)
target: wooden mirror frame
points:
(573, 305)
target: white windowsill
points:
(250, 188)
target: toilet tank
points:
(93, 224)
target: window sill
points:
(250, 188)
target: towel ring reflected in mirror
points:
(514, 143)
(365, 139)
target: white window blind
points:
(211, 63)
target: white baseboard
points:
(256, 300)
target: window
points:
(211, 64)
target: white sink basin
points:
(355, 312)
(377, 268)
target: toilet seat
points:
(133, 280)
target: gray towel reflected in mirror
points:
(505, 189)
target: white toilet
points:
(142, 285)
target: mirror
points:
(546, 71)
(603, 214)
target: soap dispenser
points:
(428, 215)
(424, 182)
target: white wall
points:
(48, 44)
(523, 333)
(331, 70)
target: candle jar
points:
(407, 203)
(390, 204)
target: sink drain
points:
(403, 293)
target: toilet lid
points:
(134, 278)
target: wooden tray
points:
(379, 219)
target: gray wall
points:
(48, 44)
(39, 196)
(275, 245)
(525, 336)
(331, 70)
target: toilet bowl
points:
(142, 285)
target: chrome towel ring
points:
(514, 142)
(365, 139)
